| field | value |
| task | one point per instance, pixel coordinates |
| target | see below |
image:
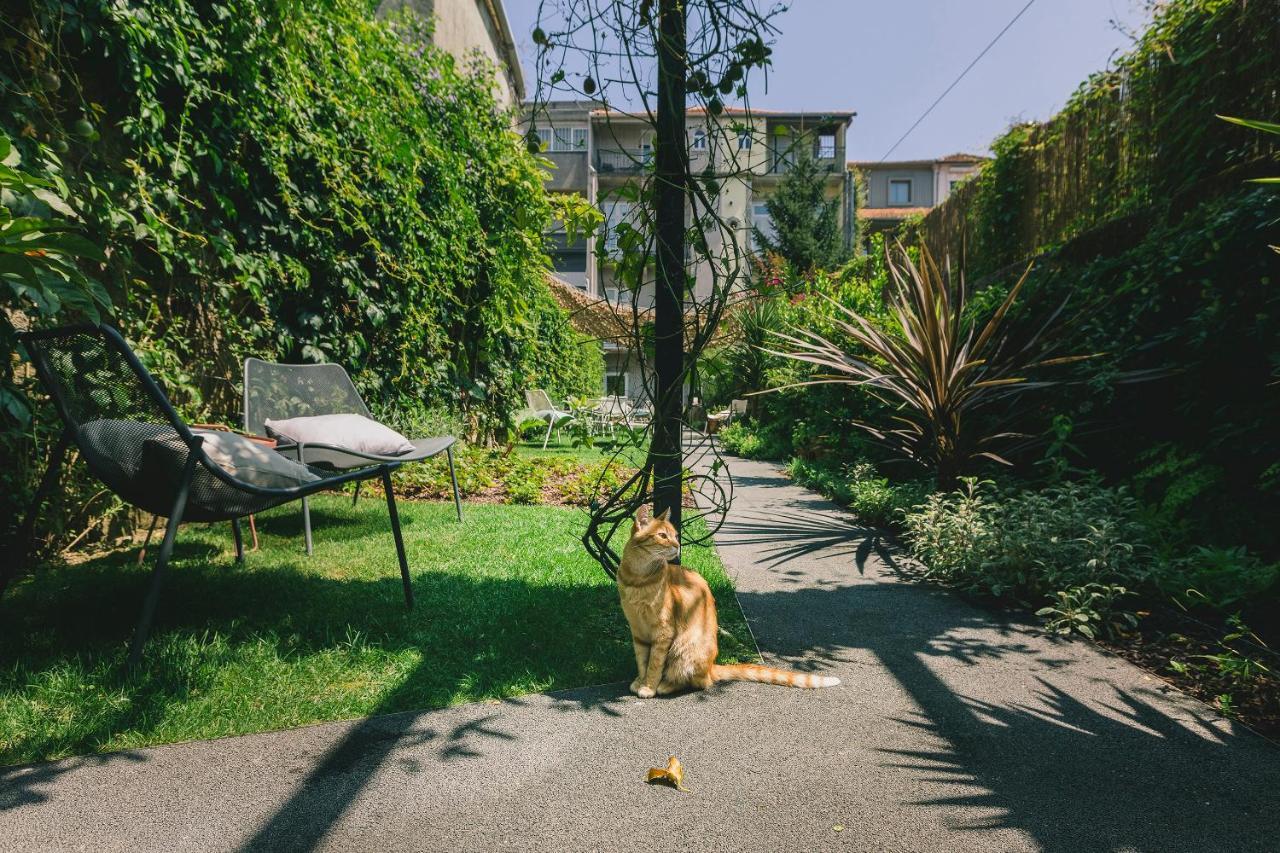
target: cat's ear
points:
(642, 515)
(665, 514)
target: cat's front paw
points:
(636, 685)
(644, 691)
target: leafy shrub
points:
(874, 499)
(1090, 609)
(1027, 544)
(740, 439)
(1221, 579)
(523, 482)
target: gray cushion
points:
(249, 461)
(254, 462)
(355, 432)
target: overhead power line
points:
(956, 81)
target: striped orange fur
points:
(672, 615)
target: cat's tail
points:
(771, 675)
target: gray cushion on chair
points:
(355, 432)
(246, 460)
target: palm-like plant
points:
(935, 366)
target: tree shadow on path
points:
(1032, 733)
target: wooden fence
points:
(1141, 138)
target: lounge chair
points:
(543, 410)
(134, 441)
(283, 391)
(716, 420)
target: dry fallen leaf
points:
(673, 775)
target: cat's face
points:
(656, 537)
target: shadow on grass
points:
(1072, 761)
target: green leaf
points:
(1264, 126)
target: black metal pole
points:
(669, 198)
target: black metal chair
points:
(282, 391)
(134, 441)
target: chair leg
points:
(22, 542)
(395, 532)
(235, 532)
(306, 524)
(356, 496)
(457, 499)
(306, 508)
(146, 543)
(551, 422)
(162, 563)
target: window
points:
(744, 140)
(827, 146)
(646, 149)
(762, 222)
(615, 213)
(544, 137)
(699, 140)
(568, 139)
(615, 384)
(900, 192)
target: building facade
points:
(605, 156)
(894, 190)
(467, 28)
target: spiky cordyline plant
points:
(935, 369)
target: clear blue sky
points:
(889, 59)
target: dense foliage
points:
(1146, 480)
(296, 181)
(1134, 199)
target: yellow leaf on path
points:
(672, 775)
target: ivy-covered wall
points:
(1134, 205)
(1141, 137)
(298, 181)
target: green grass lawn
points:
(507, 603)
(603, 447)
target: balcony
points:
(570, 172)
(781, 162)
(623, 161)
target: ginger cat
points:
(673, 619)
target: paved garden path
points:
(953, 730)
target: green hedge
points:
(297, 181)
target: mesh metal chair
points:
(134, 441)
(544, 410)
(282, 391)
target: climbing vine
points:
(298, 181)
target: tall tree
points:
(806, 224)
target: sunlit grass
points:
(507, 603)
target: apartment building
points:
(603, 154)
(894, 190)
(467, 28)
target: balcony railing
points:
(781, 162)
(633, 161)
(623, 161)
